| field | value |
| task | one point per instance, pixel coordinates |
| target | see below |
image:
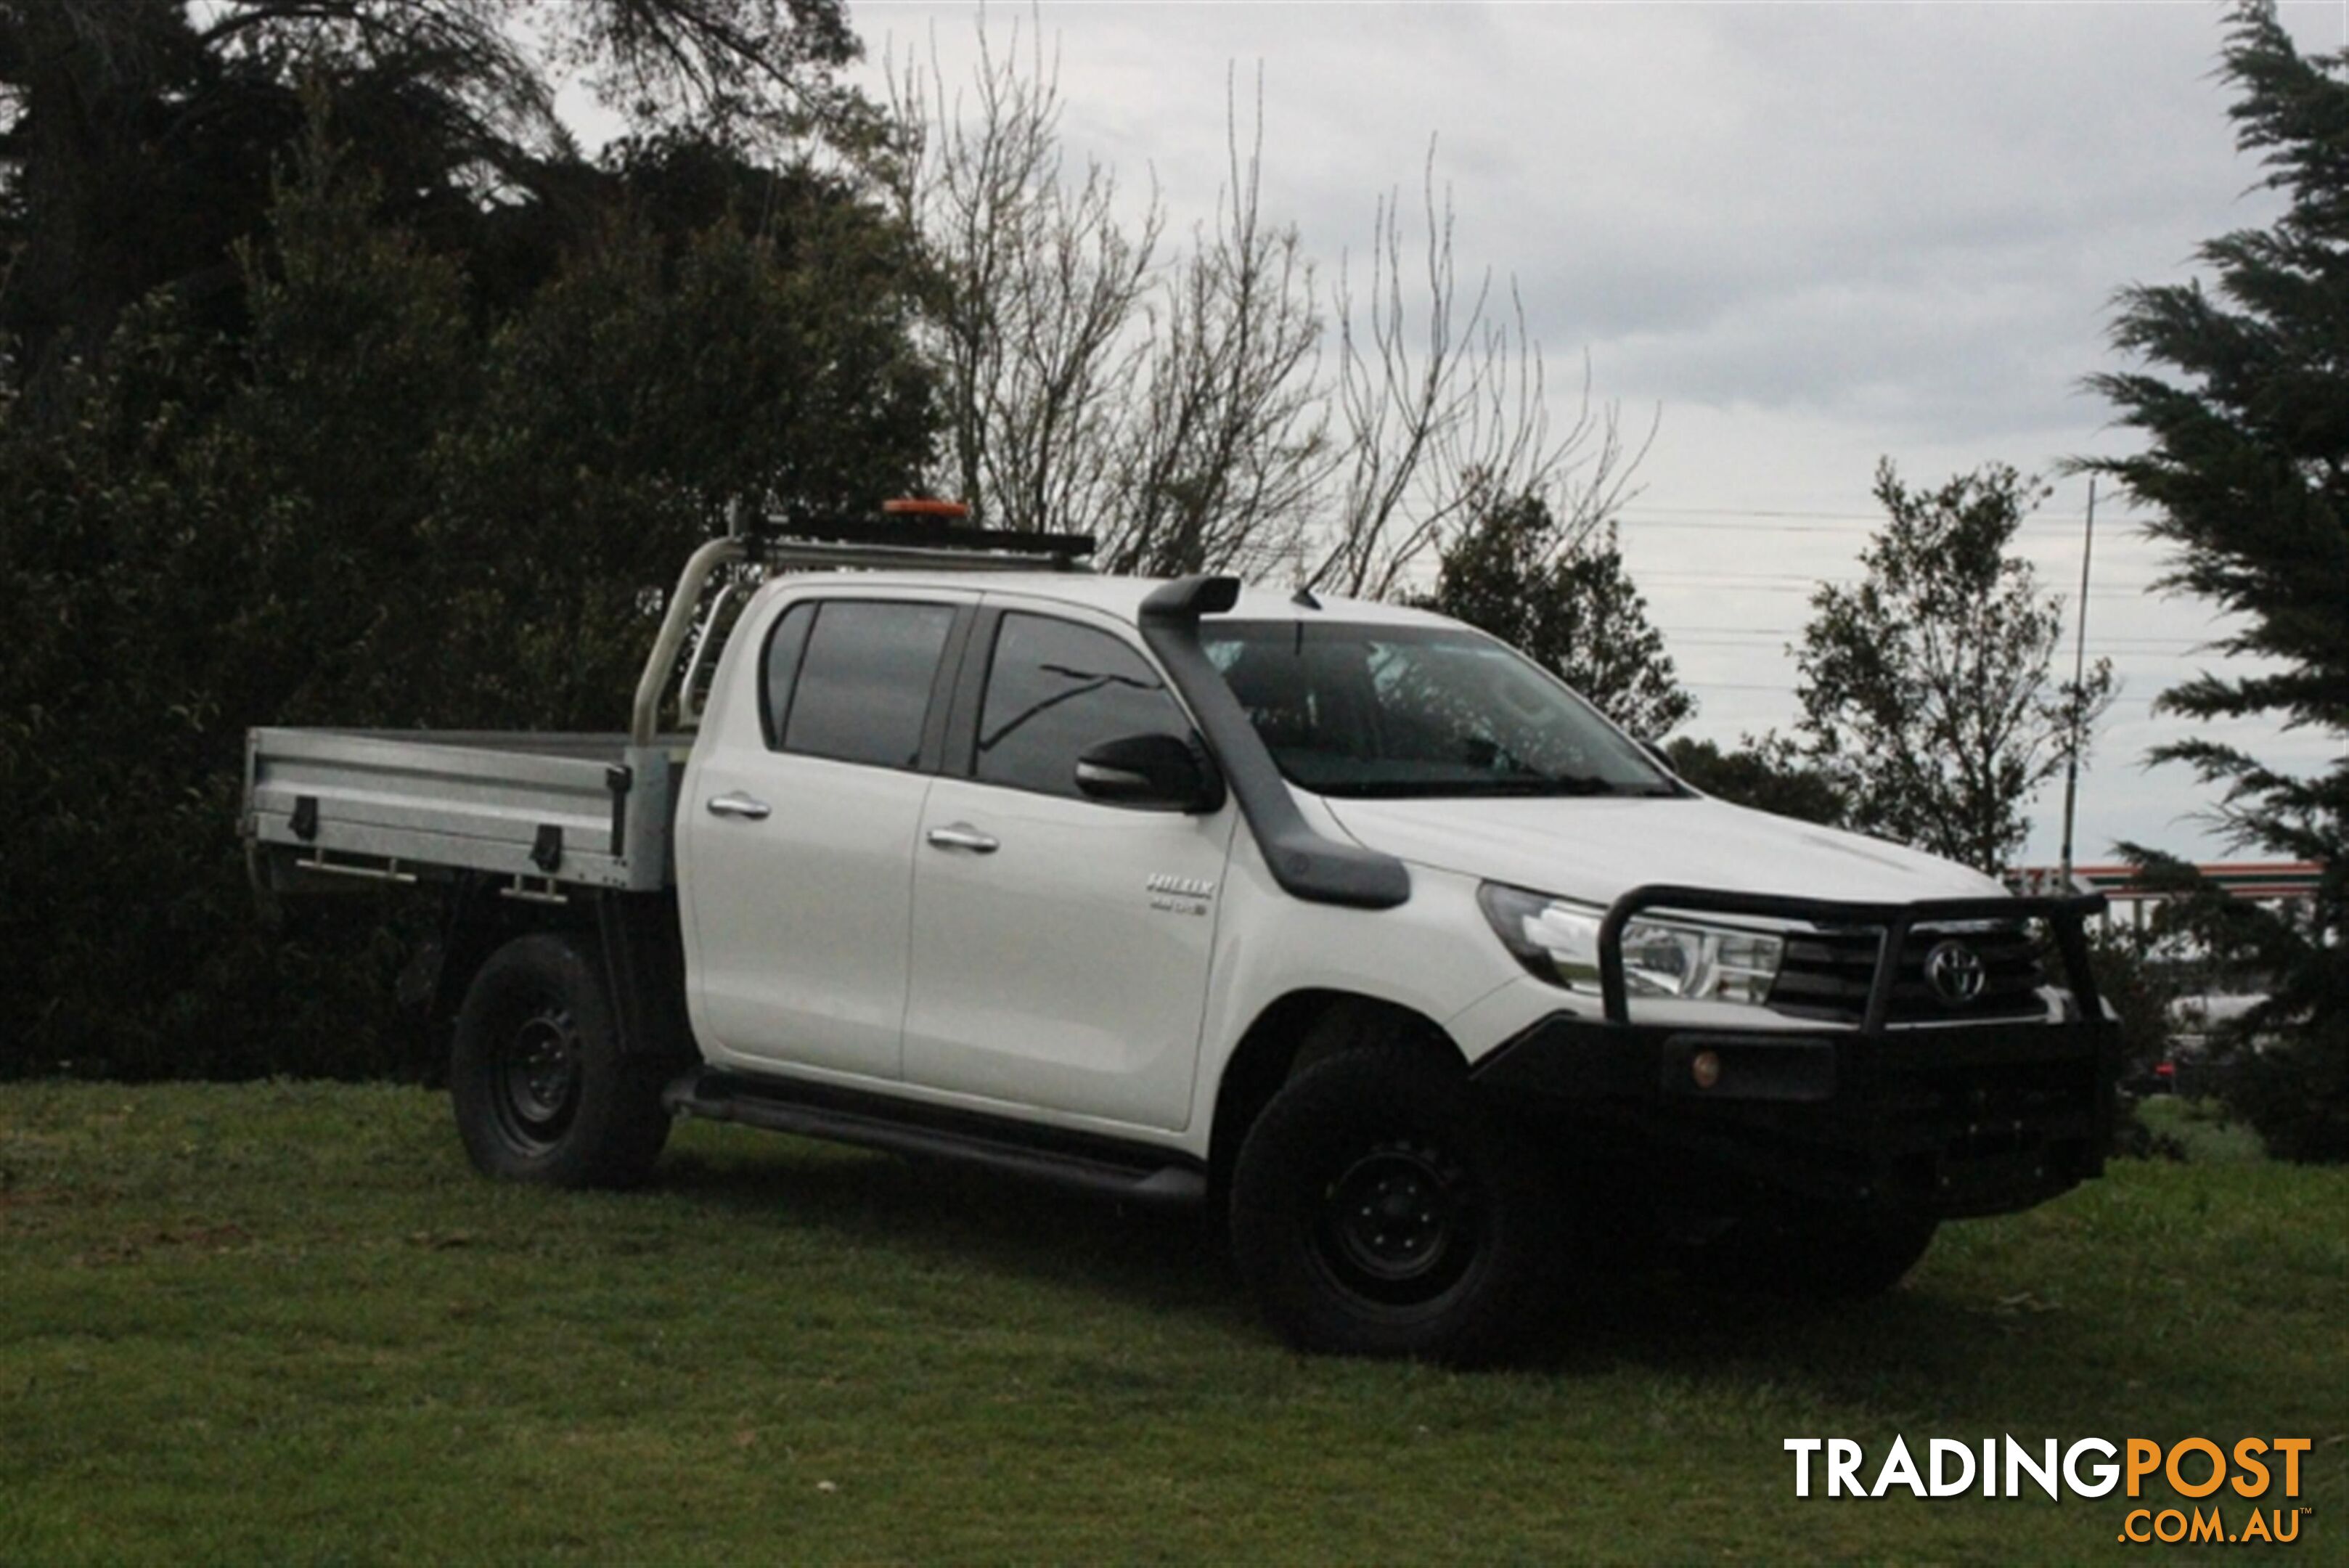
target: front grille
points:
(1826, 974)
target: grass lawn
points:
(2203, 1127)
(287, 1322)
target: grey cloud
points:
(1812, 235)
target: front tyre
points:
(542, 1089)
(1377, 1209)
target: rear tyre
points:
(1845, 1259)
(1377, 1209)
(542, 1089)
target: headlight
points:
(1557, 940)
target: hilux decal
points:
(1180, 895)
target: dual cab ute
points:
(1342, 920)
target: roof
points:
(1118, 598)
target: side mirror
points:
(1662, 758)
(1156, 772)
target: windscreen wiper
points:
(1543, 783)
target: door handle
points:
(963, 835)
(736, 804)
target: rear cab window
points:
(852, 680)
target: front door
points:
(1061, 945)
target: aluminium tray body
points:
(587, 810)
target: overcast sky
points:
(1806, 235)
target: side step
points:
(1135, 1173)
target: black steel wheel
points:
(1378, 1210)
(541, 1088)
(1401, 1223)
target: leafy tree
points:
(137, 137)
(1926, 693)
(374, 507)
(1768, 774)
(2244, 404)
(106, 189)
(736, 72)
(214, 538)
(1556, 588)
(645, 386)
(2139, 973)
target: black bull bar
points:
(1950, 1118)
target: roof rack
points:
(916, 541)
(918, 536)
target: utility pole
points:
(2079, 674)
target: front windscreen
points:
(1419, 711)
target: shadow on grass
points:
(1163, 1260)
(1924, 1345)
(1919, 1346)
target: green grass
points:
(2207, 1133)
(286, 1323)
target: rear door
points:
(1061, 945)
(797, 825)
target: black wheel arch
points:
(1291, 1034)
(636, 938)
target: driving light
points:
(1557, 940)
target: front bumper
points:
(1947, 1119)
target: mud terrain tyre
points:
(1378, 1209)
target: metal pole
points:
(2079, 674)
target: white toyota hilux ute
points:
(1344, 920)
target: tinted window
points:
(863, 684)
(1053, 691)
(785, 645)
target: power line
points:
(1823, 514)
(1787, 521)
(2119, 591)
(1813, 579)
(1786, 690)
(1754, 636)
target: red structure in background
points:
(2262, 881)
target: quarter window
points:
(786, 645)
(1056, 689)
(853, 684)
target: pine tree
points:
(2243, 397)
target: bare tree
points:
(1436, 412)
(1223, 453)
(1181, 411)
(1040, 281)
